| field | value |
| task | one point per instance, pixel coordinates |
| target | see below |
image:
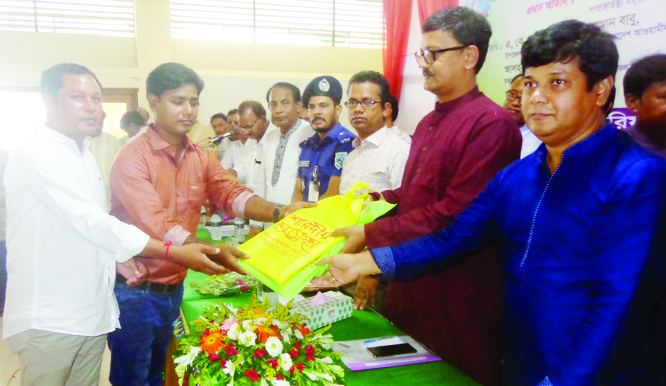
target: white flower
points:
(326, 360)
(247, 324)
(234, 331)
(248, 338)
(278, 382)
(186, 360)
(229, 368)
(279, 324)
(285, 360)
(274, 346)
(298, 335)
(263, 382)
(310, 375)
(231, 308)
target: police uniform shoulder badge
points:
(340, 159)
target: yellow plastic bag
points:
(283, 256)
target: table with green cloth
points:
(365, 324)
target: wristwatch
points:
(276, 213)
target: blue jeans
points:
(139, 347)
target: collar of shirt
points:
(69, 143)
(293, 128)
(158, 143)
(443, 109)
(583, 149)
(315, 141)
(375, 138)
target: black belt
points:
(150, 287)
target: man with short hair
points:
(237, 141)
(512, 104)
(62, 243)
(389, 121)
(253, 123)
(580, 297)
(379, 155)
(645, 95)
(323, 154)
(158, 183)
(456, 149)
(131, 122)
(278, 167)
(220, 126)
(219, 123)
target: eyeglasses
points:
(429, 55)
(367, 104)
(512, 96)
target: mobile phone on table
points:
(394, 349)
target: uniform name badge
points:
(313, 191)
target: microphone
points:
(218, 138)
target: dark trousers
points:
(139, 347)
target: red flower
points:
(243, 286)
(299, 366)
(252, 374)
(223, 362)
(309, 350)
(213, 357)
(272, 362)
(304, 330)
(260, 353)
(279, 377)
(291, 370)
(231, 350)
(296, 350)
(309, 358)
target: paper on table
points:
(355, 354)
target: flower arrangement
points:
(228, 284)
(255, 345)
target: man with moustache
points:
(580, 222)
(456, 150)
(277, 169)
(62, 243)
(512, 105)
(323, 154)
(158, 183)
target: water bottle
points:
(239, 234)
(202, 218)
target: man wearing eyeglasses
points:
(252, 124)
(512, 104)
(456, 149)
(322, 155)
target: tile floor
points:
(9, 363)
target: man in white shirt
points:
(379, 154)
(512, 104)
(278, 170)
(253, 123)
(63, 245)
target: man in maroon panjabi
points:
(456, 149)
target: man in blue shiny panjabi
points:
(581, 225)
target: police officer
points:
(323, 154)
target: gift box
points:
(324, 309)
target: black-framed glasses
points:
(367, 104)
(429, 55)
(513, 96)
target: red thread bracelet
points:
(167, 245)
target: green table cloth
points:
(362, 325)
